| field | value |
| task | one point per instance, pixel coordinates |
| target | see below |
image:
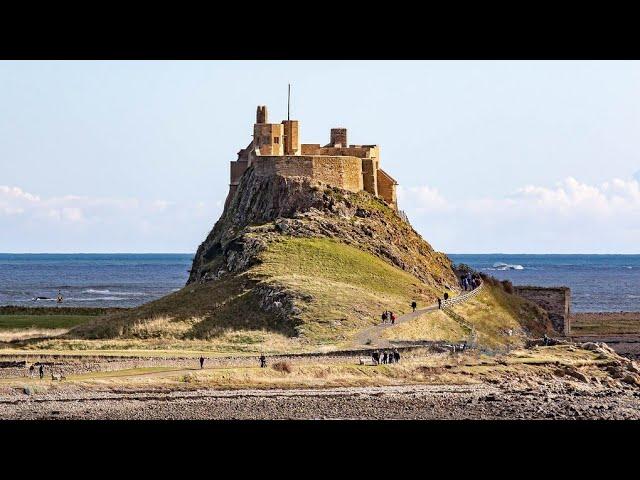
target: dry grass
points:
(284, 367)
(228, 342)
(524, 366)
(434, 325)
(24, 334)
(162, 327)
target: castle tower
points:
(261, 114)
(338, 137)
(291, 137)
(267, 137)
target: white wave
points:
(506, 266)
(109, 292)
(94, 299)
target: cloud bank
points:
(32, 223)
(570, 217)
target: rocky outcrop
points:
(264, 208)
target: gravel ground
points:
(483, 401)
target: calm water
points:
(598, 282)
(99, 280)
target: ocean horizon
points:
(598, 282)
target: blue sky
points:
(511, 157)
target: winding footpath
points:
(372, 336)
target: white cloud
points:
(90, 224)
(425, 199)
(571, 216)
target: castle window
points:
(276, 139)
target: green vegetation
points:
(42, 321)
(347, 288)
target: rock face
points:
(266, 207)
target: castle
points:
(276, 150)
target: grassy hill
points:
(333, 290)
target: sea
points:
(606, 283)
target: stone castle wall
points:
(343, 172)
(387, 188)
(555, 300)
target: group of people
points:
(385, 356)
(32, 369)
(388, 317)
(469, 282)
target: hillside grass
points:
(349, 288)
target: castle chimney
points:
(261, 114)
(338, 137)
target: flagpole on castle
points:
(288, 101)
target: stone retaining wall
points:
(555, 300)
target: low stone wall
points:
(78, 364)
(555, 300)
(461, 298)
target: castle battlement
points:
(276, 150)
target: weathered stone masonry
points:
(276, 150)
(555, 300)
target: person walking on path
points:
(414, 305)
(201, 363)
(263, 361)
(393, 318)
(396, 355)
(41, 370)
(376, 357)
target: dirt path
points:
(372, 336)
